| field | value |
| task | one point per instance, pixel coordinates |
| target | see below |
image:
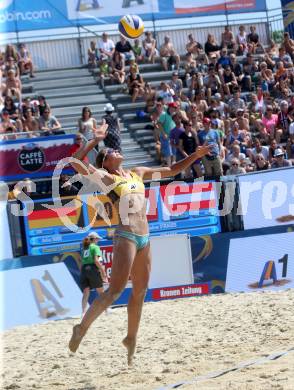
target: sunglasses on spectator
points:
(46, 112)
(235, 164)
(260, 159)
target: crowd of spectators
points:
(236, 94)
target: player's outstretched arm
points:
(148, 173)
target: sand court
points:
(179, 340)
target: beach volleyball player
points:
(131, 247)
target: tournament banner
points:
(261, 263)
(36, 157)
(176, 208)
(288, 16)
(27, 15)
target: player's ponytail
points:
(86, 242)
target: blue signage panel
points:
(27, 15)
(183, 208)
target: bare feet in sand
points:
(76, 338)
(130, 345)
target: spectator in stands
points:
(272, 50)
(30, 123)
(229, 81)
(87, 124)
(125, 49)
(193, 47)
(43, 105)
(268, 126)
(188, 142)
(79, 140)
(284, 58)
(166, 93)
(236, 153)
(236, 137)
(135, 84)
(163, 121)
(224, 59)
(212, 83)
(93, 55)
(104, 71)
(9, 124)
(113, 138)
(174, 137)
(258, 149)
(284, 118)
(25, 61)
(253, 40)
(13, 86)
(236, 68)
(11, 64)
(33, 105)
(241, 40)
(168, 54)
(242, 120)
(49, 124)
(212, 163)
(290, 149)
(149, 96)
(227, 39)
(279, 160)
(235, 168)
(10, 51)
(138, 51)
(272, 149)
(267, 78)
(236, 102)
(211, 47)
(176, 84)
(106, 48)
(194, 82)
(149, 46)
(247, 165)
(11, 108)
(199, 104)
(261, 163)
(288, 45)
(118, 68)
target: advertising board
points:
(37, 158)
(176, 208)
(27, 15)
(261, 263)
(43, 292)
(267, 198)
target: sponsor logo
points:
(190, 290)
(269, 274)
(20, 16)
(31, 159)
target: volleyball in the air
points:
(131, 26)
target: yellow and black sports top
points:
(126, 186)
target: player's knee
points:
(114, 294)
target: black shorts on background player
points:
(90, 277)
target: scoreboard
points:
(175, 208)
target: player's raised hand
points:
(101, 132)
(203, 150)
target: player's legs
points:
(124, 253)
(86, 294)
(140, 274)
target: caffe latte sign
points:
(31, 160)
